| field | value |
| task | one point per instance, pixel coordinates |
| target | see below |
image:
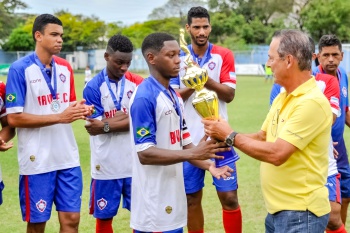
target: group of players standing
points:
(139, 138)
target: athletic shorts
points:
(2, 186)
(194, 179)
(105, 196)
(38, 192)
(333, 186)
(344, 181)
(180, 230)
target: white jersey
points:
(158, 199)
(49, 148)
(220, 66)
(110, 153)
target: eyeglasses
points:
(274, 126)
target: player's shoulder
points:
(23, 62)
(325, 77)
(61, 61)
(132, 77)
(220, 50)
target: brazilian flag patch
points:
(142, 132)
(11, 97)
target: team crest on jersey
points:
(102, 203)
(129, 94)
(63, 77)
(11, 97)
(211, 65)
(344, 91)
(41, 205)
(142, 132)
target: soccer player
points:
(329, 85)
(159, 135)
(6, 133)
(291, 145)
(329, 56)
(219, 62)
(110, 92)
(41, 102)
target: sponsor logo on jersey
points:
(211, 65)
(232, 75)
(11, 97)
(47, 99)
(142, 132)
(41, 205)
(129, 94)
(35, 80)
(175, 136)
(230, 178)
(62, 77)
(168, 112)
(344, 90)
(102, 203)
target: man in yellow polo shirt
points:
(292, 143)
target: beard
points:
(200, 43)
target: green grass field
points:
(246, 112)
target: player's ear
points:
(150, 58)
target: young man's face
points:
(118, 63)
(329, 58)
(167, 61)
(199, 30)
(51, 40)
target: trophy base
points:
(229, 157)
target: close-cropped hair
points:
(119, 43)
(155, 42)
(197, 12)
(329, 40)
(297, 44)
(42, 20)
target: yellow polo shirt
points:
(302, 118)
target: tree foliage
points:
(327, 17)
(8, 20)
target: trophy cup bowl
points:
(205, 102)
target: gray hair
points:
(297, 44)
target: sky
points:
(126, 11)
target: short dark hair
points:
(41, 21)
(155, 42)
(329, 40)
(197, 12)
(119, 43)
(296, 43)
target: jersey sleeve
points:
(228, 72)
(332, 93)
(93, 97)
(276, 89)
(144, 125)
(15, 90)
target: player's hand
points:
(76, 111)
(5, 146)
(217, 129)
(206, 149)
(89, 108)
(94, 126)
(220, 172)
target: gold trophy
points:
(205, 101)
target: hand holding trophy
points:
(205, 101)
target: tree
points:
(327, 17)
(8, 20)
(19, 40)
(175, 8)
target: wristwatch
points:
(230, 139)
(106, 127)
